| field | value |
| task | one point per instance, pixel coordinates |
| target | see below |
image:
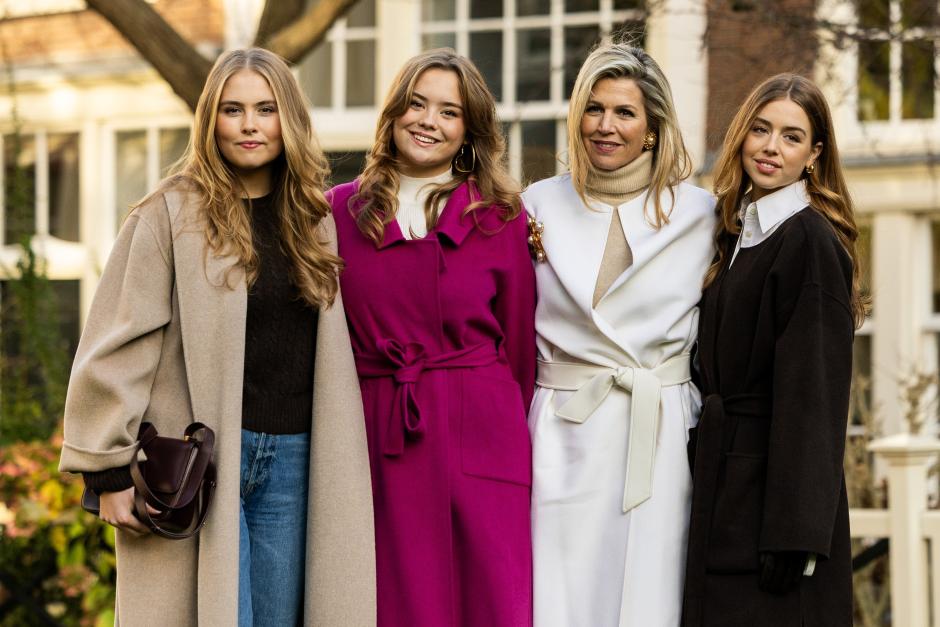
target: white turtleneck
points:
(412, 194)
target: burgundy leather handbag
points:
(177, 479)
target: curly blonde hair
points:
(376, 202)
(299, 177)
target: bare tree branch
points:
(296, 40)
(278, 14)
(173, 57)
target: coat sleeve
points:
(120, 347)
(811, 380)
(514, 308)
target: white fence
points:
(913, 531)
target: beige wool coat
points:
(165, 342)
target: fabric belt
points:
(406, 363)
(716, 429)
(591, 385)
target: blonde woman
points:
(440, 297)
(626, 245)
(220, 304)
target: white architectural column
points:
(898, 278)
(675, 38)
(908, 457)
(398, 36)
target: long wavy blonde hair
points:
(671, 162)
(376, 202)
(828, 193)
(299, 176)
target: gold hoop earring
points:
(461, 159)
(811, 168)
(649, 140)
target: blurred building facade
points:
(100, 127)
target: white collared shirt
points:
(412, 194)
(762, 217)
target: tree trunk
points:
(277, 14)
(176, 60)
(296, 40)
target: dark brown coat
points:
(775, 352)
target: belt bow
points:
(591, 385)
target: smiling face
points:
(777, 147)
(429, 134)
(248, 129)
(614, 123)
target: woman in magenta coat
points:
(440, 298)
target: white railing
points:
(913, 531)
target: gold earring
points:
(649, 140)
(811, 168)
(461, 159)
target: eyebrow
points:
(257, 104)
(786, 128)
(625, 105)
(445, 103)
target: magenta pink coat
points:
(443, 332)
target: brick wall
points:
(748, 41)
(85, 35)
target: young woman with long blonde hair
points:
(220, 304)
(440, 298)
(769, 539)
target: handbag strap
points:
(199, 482)
(207, 485)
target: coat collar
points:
(454, 224)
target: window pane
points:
(873, 80)
(173, 143)
(578, 42)
(345, 166)
(533, 65)
(63, 186)
(362, 13)
(573, 6)
(486, 8)
(433, 10)
(538, 150)
(486, 50)
(860, 406)
(533, 7)
(438, 40)
(917, 79)
(19, 177)
(360, 73)
(130, 170)
(863, 248)
(873, 14)
(918, 13)
(316, 75)
(628, 4)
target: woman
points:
(220, 304)
(440, 299)
(626, 246)
(780, 306)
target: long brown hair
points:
(826, 186)
(376, 202)
(299, 176)
(671, 162)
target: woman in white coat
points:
(624, 246)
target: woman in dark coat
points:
(769, 535)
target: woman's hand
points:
(117, 509)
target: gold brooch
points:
(535, 240)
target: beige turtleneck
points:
(616, 187)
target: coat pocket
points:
(494, 438)
(736, 521)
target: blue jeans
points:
(272, 528)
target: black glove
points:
(781, 571)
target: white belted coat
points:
(610, 418)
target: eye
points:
(268, 109)
(416, 104)
(790, 137)
(759, 129)
(626, 113)
(230, 110)
(450, 113)
(593, 108)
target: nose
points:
(606, 124)
(770, 146)
(427, 118)
(248, 123)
